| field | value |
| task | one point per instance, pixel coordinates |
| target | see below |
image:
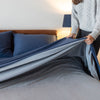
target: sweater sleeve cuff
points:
(74, 30)
(95, 34)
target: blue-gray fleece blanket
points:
(69, 51)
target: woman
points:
(86, 20)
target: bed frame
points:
(50, 32)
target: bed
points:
(63, 78)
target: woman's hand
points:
(89, 39)
(72, 35)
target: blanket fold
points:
(18, 65)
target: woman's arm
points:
(74, 22)
(96, 31)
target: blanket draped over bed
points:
(10, 68)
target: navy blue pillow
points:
(24, 43)
(6, 44)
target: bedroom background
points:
(34, 14)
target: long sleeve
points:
(96, 31)
(74, 22)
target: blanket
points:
(38, 60)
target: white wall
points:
(31, 14)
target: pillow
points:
(24, 43)
(6, 44)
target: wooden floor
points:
(99, 57)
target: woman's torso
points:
(86, 13)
